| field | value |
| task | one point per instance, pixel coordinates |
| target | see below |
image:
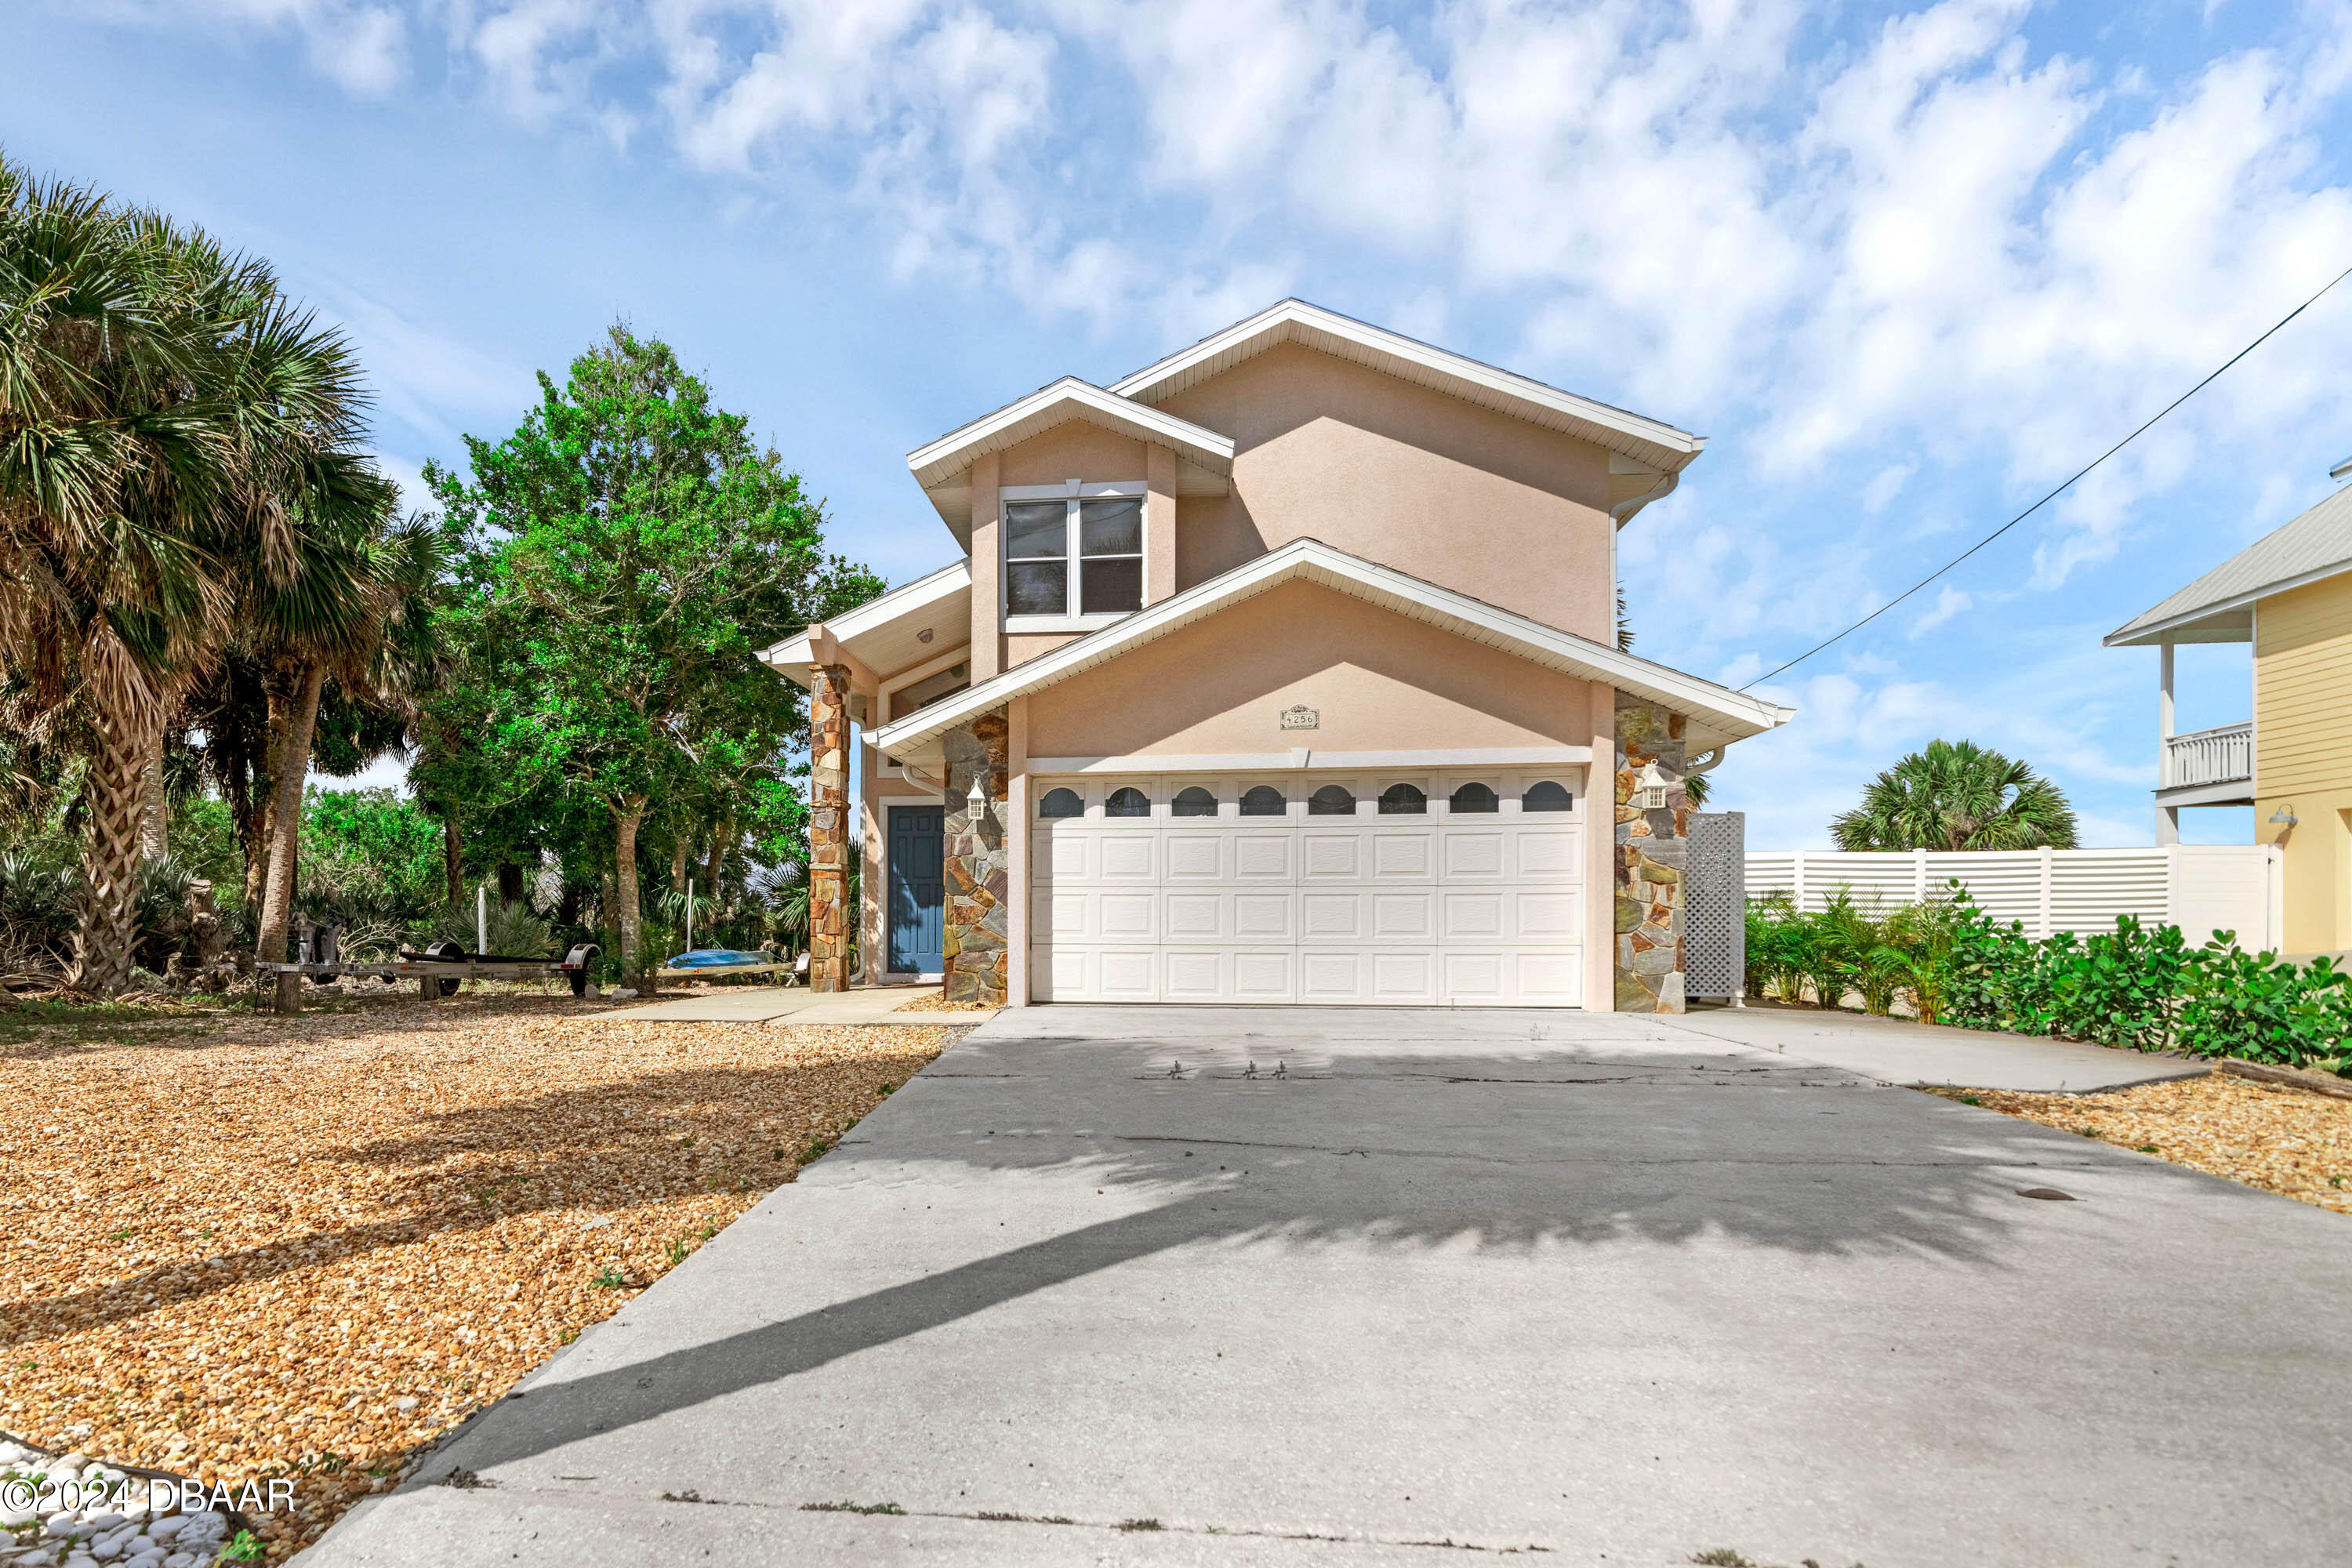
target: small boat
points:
(720, 958)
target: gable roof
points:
(1647, 441)
(1717, 714)
(938, 465)
(2220, 606)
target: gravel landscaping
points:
(2282, 1140)
(235, 1246)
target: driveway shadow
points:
(1505, 1148)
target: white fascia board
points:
(1734, 714)
(937, 461)
(2172, 628)
(1660, 444)
(793, 656)
(1305, 758)
(921, 594)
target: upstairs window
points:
(1073, 550)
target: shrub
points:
(2137, 987)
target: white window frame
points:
(1072, 491)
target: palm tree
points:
(163, 411)
(1956, 795)
(366, 588)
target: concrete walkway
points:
(1311, 1288)
(1900, 1051)
(792, 1005)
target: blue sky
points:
(1905, 267)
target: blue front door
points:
(917, 890)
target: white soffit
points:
(1717, 714)
(1647, 441)
(886, 634)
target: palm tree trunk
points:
(292, 766)
(453, 857)
(114, 801)
(678, 864)
(154, 825)
(625, 818)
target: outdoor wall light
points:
(2284, 816)
(979, 798)
(1650, 788)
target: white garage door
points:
(1430, 889)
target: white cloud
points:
(1885, 486)
(360, 47)
(423, 374)
(1949, 602)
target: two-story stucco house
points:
(1281, 671)
(2290, 596)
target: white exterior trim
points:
(1656, 443)
(1093, 623)
(1287, 761)
(936, 462)
(2171, 629)
(1719, 714)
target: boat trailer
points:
(438, 970)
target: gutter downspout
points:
(1619, 516)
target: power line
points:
(2061, 489)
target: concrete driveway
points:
(1306, 1287)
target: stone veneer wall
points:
(1650, 860)
(978, 863)
(828, 827)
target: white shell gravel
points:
(113, 1519)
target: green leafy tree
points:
(629, 551)
(1956, 795)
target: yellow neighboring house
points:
(2289, 594)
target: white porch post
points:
(2168, 817)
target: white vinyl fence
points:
(2201, 889)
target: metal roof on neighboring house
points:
(2220, 606)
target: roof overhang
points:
(884, 636)
(2224, 620)
(1659, 449)
(943, 466)
(1715, 715)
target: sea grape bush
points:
(2139, 987)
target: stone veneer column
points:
(979, 870)
(1649, 859)
(828, 827)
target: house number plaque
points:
(1301, 718)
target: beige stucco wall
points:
(1478, 501)
(2303, 755)
(1074, 449)
(1381, 681)
(987, 572)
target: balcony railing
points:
(2225, 755)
